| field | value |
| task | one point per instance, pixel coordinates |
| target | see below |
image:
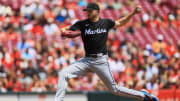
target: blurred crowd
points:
(32, 51)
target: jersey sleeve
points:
(75, 26)
(110, 23)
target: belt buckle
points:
(96, 55)
(99, 54)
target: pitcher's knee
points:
(114, 89)
(63, 74)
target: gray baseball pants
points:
(101, 67)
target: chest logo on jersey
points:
(96, 31)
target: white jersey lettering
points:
(96, 31)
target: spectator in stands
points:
(2, 88)
(28, 9)
(171, 48)
(38, 87)
(50, 28)
(130, 2)
(22, 45)
(82, 3)
(153, 84)
(106, 5)
(39, 8)
(5, 10)
(117, 5)
(159, 44)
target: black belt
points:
(96, 55)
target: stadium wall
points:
(49, 96)
(164, 95)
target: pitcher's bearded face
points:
(92, 13)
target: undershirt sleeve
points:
(110, 23)
(75, 26)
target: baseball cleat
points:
(149, 97)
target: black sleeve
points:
(75, 26)
(110, 23)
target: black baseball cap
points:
(92, 6)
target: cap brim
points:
(84, 9)
(88, 9)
